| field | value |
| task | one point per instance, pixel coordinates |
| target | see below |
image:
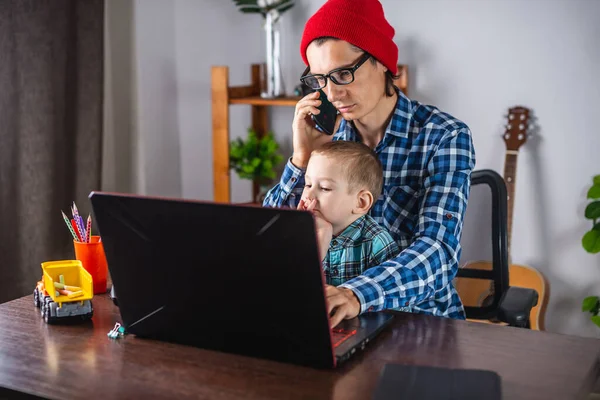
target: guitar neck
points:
(510, 174)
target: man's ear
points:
(382, 66)
(364, 201)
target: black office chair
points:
(483, 285)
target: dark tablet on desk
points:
(431, 383)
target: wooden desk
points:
(70, 362)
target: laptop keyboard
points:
(341, 335)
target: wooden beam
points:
(241, 92)
(259, 101)
(260, 120)
(252, 90)
(220, 123)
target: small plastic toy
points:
(65, 291)
(117, 332)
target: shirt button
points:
(449, 216)
(370, 309)
(334, 272)
(334, 243)
(293, 179)
(406, 304)
(292, 195)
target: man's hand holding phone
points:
(327, 116)
(306, 137)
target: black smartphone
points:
(325, 120)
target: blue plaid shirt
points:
(427, 158)
(362, 245)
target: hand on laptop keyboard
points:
(341, 304)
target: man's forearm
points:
(289, 189)
(406, 280)
(300, 160)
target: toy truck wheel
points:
(44, 303)
(36, 298)
(49, 310)
(88, 316)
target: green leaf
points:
(236, 152)
(255, 157)
(591, 241)
(272, 146)
(267, 165)
(594, 192)
(590, 303)
(252, 138)
(592, 211)
(250, 11)
(596, 180)
(596, 319)
(241, 4)
(283, 8)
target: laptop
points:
(241, 279)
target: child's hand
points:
(302, 205)
(324, 235)
(307, 204)
(323, 227)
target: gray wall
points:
(472, 58)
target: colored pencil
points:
(74, 225)
(69, 226)
(88, 231)
(81, 225)
(79, 222)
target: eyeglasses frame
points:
(328, 77)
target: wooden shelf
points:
(259, 101)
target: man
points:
(427, 159)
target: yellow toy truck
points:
(65, 292)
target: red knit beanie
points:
(358, 22)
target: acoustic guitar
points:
(477, 292)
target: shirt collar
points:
(398, 126)
(352, 233)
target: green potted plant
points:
(591, 243)
(255, 158)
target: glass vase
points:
(272, 78)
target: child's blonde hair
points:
(360, 164)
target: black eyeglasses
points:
(339, 76)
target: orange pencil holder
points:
(93, 259)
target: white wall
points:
(472, 58)
(119, 150)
